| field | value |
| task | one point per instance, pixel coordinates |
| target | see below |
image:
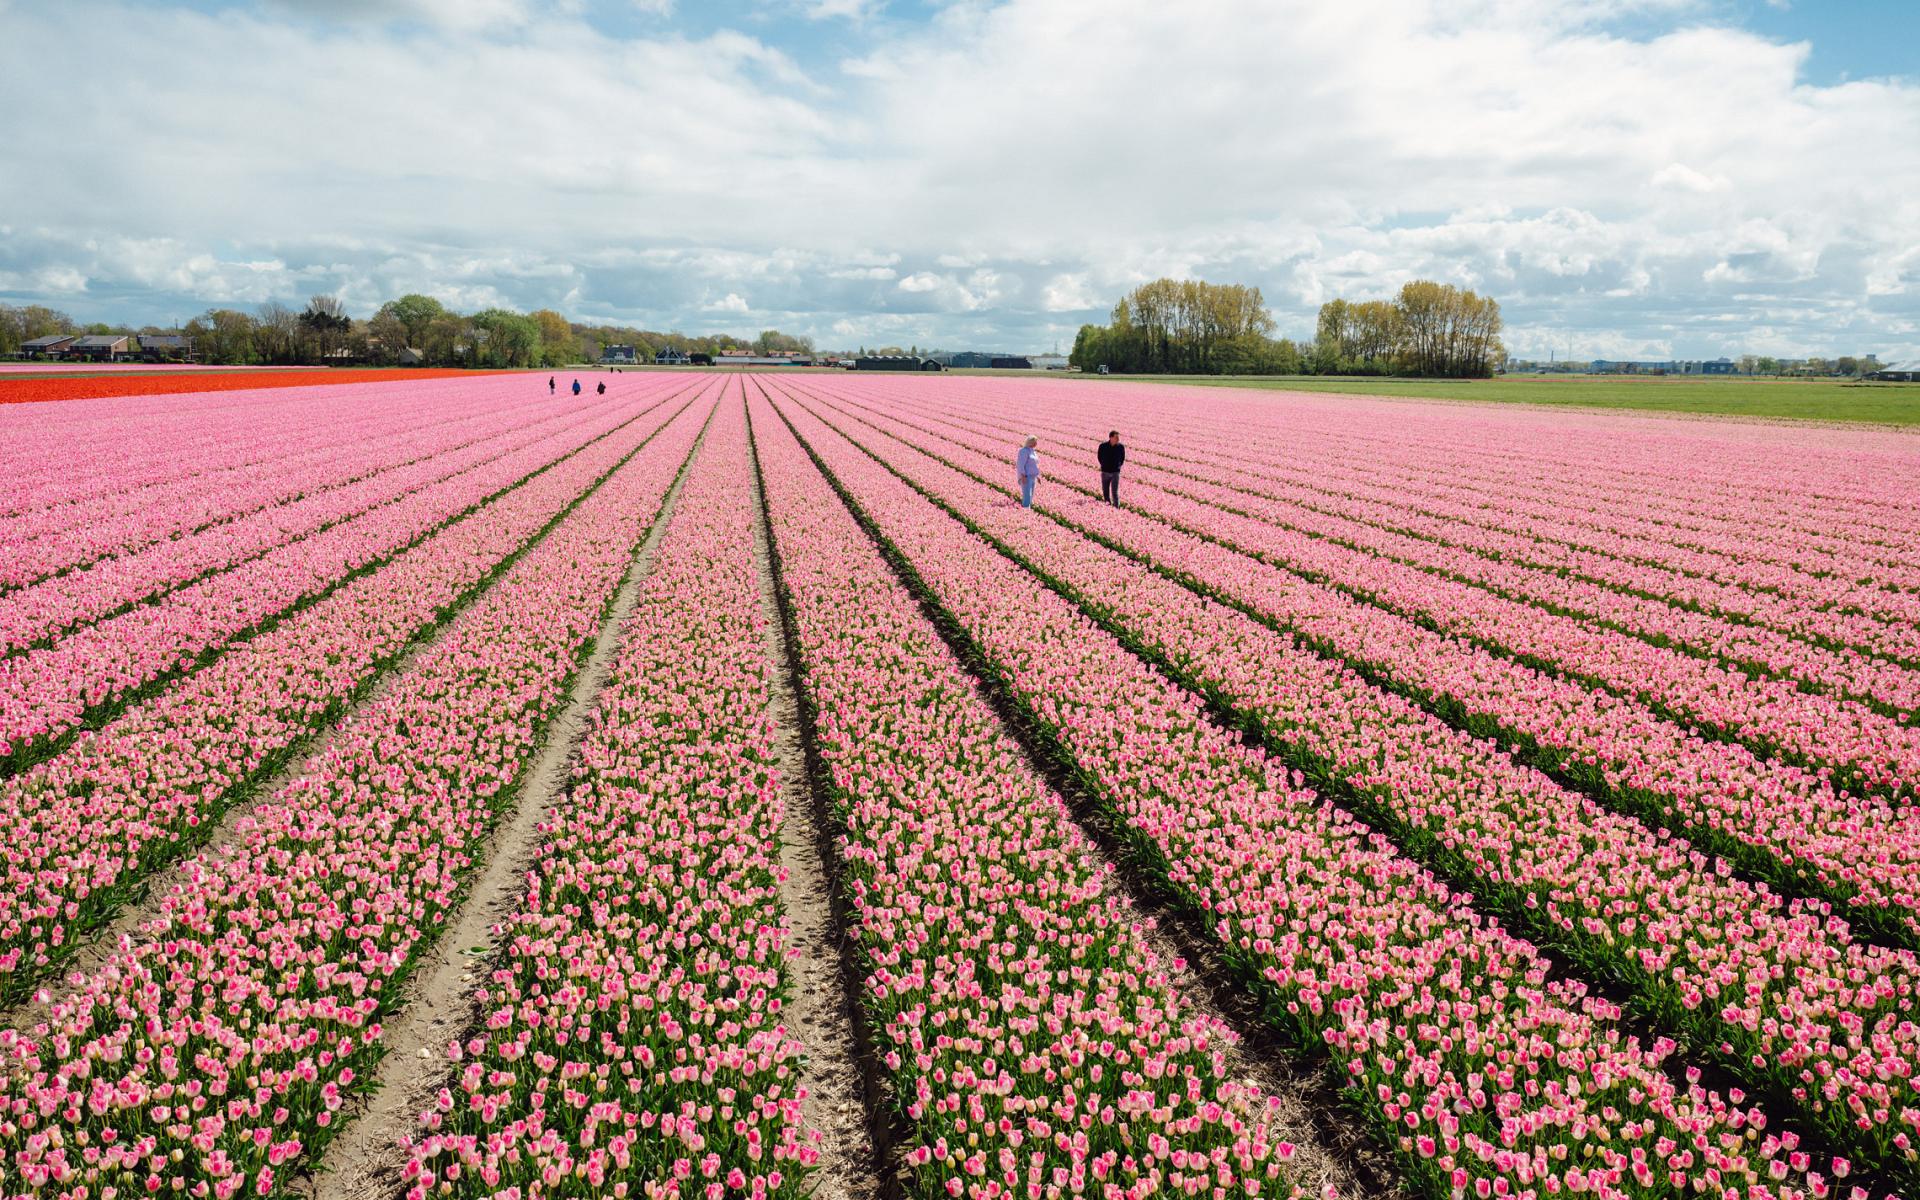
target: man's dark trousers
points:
(1110, 487)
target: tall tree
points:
(326, 322)
(505, 338)
(223, 335)
(416, 312)
(558, 344)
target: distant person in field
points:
(601, 388)
(576, 387)
(1112, 455)
(549, 385)
(1026, 468)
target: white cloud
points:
(852, 10)
(1684, 178)
(972, 178)
(732, 302)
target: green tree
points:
(558, 344)
(504, 338)
(223, 335)
(416, 313)
(326, 323)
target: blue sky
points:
(1629, 177)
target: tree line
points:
(1188, 327)
(322, 332)
(1429, 329)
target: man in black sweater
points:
(1112, 455)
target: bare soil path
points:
(819, 1013)
(437, 1004)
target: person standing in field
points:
(601, 389)
(549, 385)
(1112, 454)
(1026, 467)
(576, 387)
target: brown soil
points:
(836, 1088)
(437, 1005)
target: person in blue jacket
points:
(1026, 467)
(576, 387)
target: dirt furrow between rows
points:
(437, 1005)
(821, 1015)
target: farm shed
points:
(894, 362)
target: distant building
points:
(1048, 362)
(54, 345)
(166, 347)
(894, 362)
(1898, 373)
(1717, 366)
(748, 358)
(670, 358)
(409, 357)
(619, 354)
(1010, 362)
(103, 347)
(970, 360)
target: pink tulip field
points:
(410, 789)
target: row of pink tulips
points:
(1782, 822)
(1691, 474)
(1758, 550)
(76, 468)
(1499, 564)
(1031, 1038)
(1739, 520)
(1882, 688)
(42, 611)
(1484, 1076)
(633, 1037)
(1863, 747)
(84, 830)
(1797, 1004)
(48, 693)
(1586, 545)
(210, 1056)
(80, 534)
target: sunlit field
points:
(438, 786)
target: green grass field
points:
(1822, 400)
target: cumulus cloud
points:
(969, 178)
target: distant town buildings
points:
(1717, 366)
(750, 358)
(108, 347)
(980, 360)
(103, 347)
(895, 362)
(619, 355)
(52, 346)
(166, 347)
